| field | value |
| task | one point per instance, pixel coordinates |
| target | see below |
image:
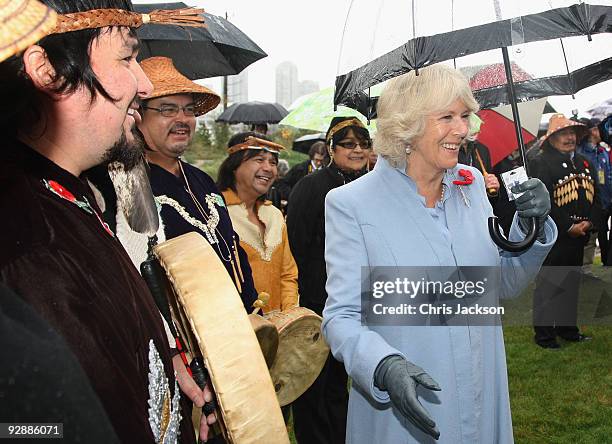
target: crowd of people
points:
(80, 328)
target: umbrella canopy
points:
(253, 113)
(219, 49)
(316, 110)
(498, 129)
(303, 144)
(568, 44)
(565, 49)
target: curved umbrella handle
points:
(513, 247)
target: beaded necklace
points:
(236, 268)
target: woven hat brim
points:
(578, 127)
(23, 23)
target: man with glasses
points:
(188, 197)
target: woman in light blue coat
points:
(419, 208)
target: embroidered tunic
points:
(273, 266)
(63, 262)
(180, 215)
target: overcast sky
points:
(309, 32)
(305, 32)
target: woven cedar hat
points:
(558, 122)
(167, 80)
(23, 23)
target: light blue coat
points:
(380, 220)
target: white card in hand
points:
(512, 178)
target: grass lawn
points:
(564, 396)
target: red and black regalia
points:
(58, 255)
(569, 178)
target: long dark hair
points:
(226, 179)
(69, 54)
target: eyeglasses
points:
(365, 145)
(171, 110)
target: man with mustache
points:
(570, 180)
(69, 103)
(189, 198)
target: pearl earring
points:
(408, 150)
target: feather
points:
(135, 197)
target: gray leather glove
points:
(400, 379)
(534, 202)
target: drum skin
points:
(212, 307)
(267, 336)
(302, 352)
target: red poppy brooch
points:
(467, 176)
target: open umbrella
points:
(498, 130)
(316, 110)
(566, 46)
(219, 49)
(253, 113)
(303, 144)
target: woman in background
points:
(320, 414)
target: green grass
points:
(562, 396)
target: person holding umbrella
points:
(316, 158)
(418, 207)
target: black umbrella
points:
(219, 49)
(303, 144)
(564, 27)
(253, 113)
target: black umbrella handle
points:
(494, 228)
(514, 247)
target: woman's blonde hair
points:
(409, 99)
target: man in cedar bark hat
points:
(570, 180)
(69, 103)
(188, 197)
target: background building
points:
(286, 83)
(238, 87)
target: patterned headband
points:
(255, 143)
(351, 122)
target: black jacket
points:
(306, 231)
(62, 261)
(570, 183)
